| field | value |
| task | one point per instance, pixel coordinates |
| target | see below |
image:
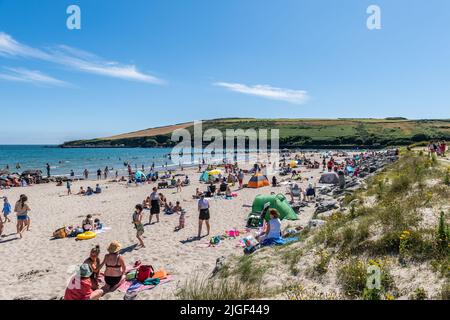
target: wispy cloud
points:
(31, 76)
(75, 59)
(268, 92)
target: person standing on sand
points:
(69, 187)
(154, 205)
(6, 209)
(99, 174)
(106, 172)
(137, 221)
(48, 170)
(1, 228)
(23, 220)
(241, 178)
(203, 209)
(86, 174)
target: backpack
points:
(145, 272)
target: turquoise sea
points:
(63, 160)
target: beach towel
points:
(136, 286)
(277, 241)
(102, 230)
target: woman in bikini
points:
(21, 209)
(115, 267)
(94, 262)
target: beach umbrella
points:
(258, 181)
(215, 172)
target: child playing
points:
(6, 209)
(181, 220)
(98, 224)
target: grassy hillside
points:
(297, 132)
(398, 221)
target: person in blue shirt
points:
(6, 209)
(98, 189)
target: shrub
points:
(224, 289)
(323, 259)
(248, 272)
(445, 291)
(443, 234)
(352, 278)
(419, 294)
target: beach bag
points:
(254, 221)
(215, 240)
(60, 233)
(251, 244)
(131, 275)
(145, 272)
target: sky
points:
(145, 63)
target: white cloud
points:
(31, 76)
(75, 59)
(268, 92)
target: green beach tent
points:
(278, 202)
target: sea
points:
(19, 158)
(62, 160)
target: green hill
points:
(296, 133)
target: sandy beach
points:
(37, 267)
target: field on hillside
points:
(299, 132)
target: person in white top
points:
(203, 209)
(273, 227)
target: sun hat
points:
(85, 271)
(114, 247)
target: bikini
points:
(112, 281)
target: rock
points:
(324, 215)
(354, 203)
(220, 263)
(325, 190)
(314, 223)
(326, 206)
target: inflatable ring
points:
(86, 235)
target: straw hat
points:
(114, 247)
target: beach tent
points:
(204, 176)
(329, 178)
(258, 181)
(278, 202)
(140, 176)
(293, 164)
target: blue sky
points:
(143, 63)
